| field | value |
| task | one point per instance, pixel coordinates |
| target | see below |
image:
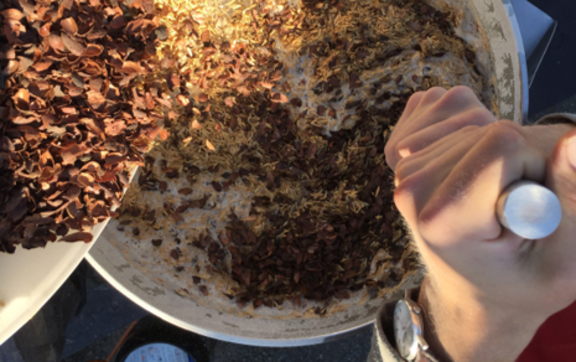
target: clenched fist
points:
(487, 289)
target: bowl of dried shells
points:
(77, 118)
(262, 209)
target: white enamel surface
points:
(30, 277)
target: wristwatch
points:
(409, 330)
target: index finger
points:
(469, 194)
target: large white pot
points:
(508, 66)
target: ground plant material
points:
(75, 114)
(274, 172)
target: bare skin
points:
(487, 289)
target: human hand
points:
(452, 160)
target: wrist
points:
(426, 300)
(465, 329)
(545, 136)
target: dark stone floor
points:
(94, 332)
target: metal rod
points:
(529, 210)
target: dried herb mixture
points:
(274, 170)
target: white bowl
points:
(31, 277)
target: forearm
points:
(461, 329)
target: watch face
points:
(403, 330)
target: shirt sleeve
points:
(383, 343)
(558, 118)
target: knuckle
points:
(437, 90)
(416, 96)
(389, 150)
(510, 124)
(476, 117)
(405, 192)
(412, 104)
(433, 94)
(401, 169)
(458, 95)
(462, 91)
(482, 116)
(398, 146)
(469, 128)
(390, 162)
(401, 198)
(403, 144)
(502, 140)
(504, 132)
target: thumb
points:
(561, 175)
(556, 253)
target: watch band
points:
(424, 356)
